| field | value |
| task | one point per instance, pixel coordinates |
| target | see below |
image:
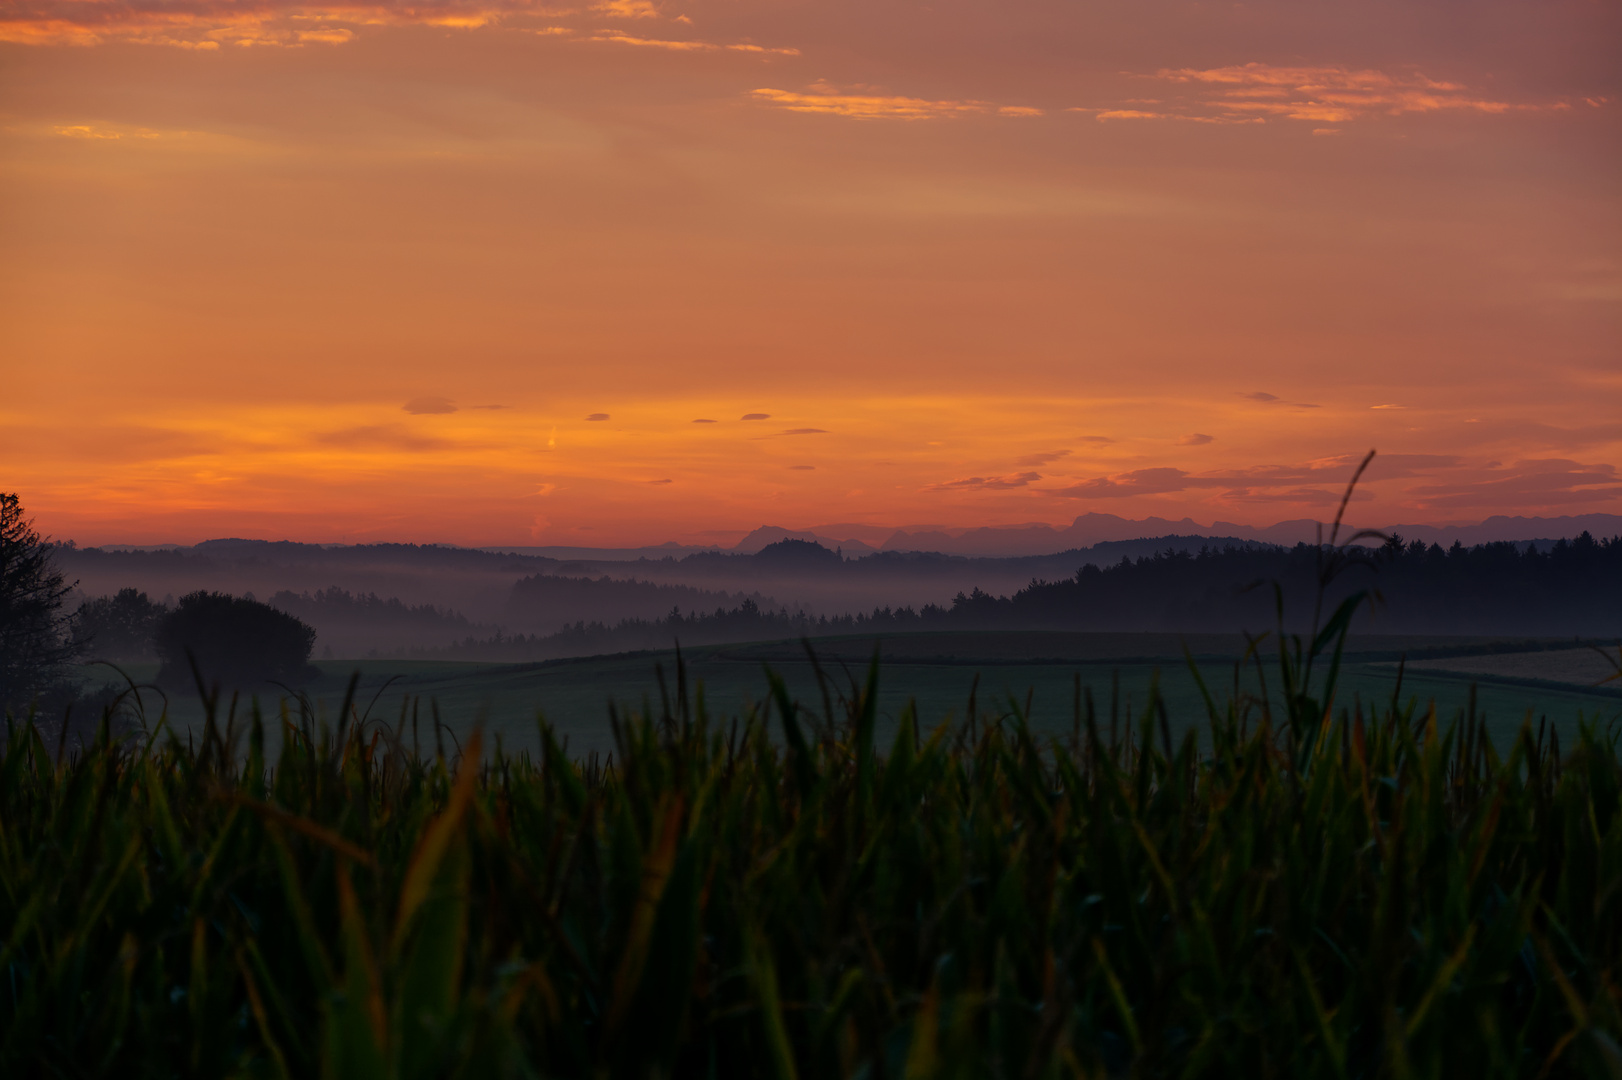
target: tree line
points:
(1575, 588)
(235, 641)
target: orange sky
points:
(362, 271)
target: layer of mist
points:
(455, 603)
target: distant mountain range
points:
(1092, 528)
(1020, 541)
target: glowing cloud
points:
(829, 101)
(1322, 95)
(615, 37)
(627, 9)
(92, 131)
(209, 24)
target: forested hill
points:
(1504, 588)
(1500, 590)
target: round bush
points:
(235, 642)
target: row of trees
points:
(1490, 589)
(748, 621)
(232, 640)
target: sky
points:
(618, 273)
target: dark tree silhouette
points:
(236, 642)
(35, 645)
(118, 627)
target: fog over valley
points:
(408, 599)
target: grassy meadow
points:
(1325, 879)
(936, 673)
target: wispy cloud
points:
(1321, 95)
(869, 105)
(421, 406)
(210, 24)
(1304, 496)
(1145, 114)
(987, 483)
(806, 431)
(1333, 94)
(1157, 481)
(1042, 458)
(1390, 466)
(615, 37)
(597, 416)
(627, 9)
(1165, 480)
(756, 416)
(1196, 439)
(1262, 397)
(1537, 482)
(96, 131)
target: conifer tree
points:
(35, 644)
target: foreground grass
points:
(1305, 892)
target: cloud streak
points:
(1262, 397)
(615, 37)
(1446, 482)
(830, 101)
(1536, 482)
(1046, 458)
(987, 483)
(1243, 483)
(210, 24)
(1325, 94)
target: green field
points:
(770, 896)
(937, 671)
